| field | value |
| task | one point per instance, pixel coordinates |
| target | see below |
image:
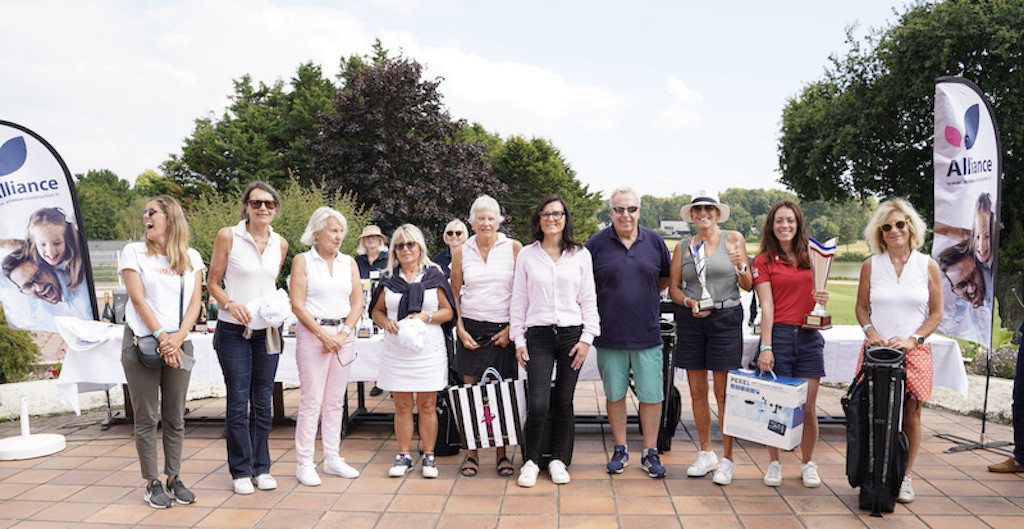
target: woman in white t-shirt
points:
(327, 299)
(163, 277)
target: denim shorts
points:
(799, 352)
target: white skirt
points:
(407, 370)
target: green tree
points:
(151, 183)
(104, 198)
(866, 127)
(18, 353)
(262, 135)
(391, 141)
(532, 169)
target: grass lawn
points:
(842, 296)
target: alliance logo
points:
(970, 134)
(12, 155)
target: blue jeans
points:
(1018, 408)
(249, 376)
(549, 347)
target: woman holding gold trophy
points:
(785, 286)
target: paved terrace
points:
(96, 483)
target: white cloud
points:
(681, 113)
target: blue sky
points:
(665, 96)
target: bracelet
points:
(346, 328)
(157, 333)
(866, 327)
(430, 317)
(228, 304)
(766, 348)
(686, 301)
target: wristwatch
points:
(918, 338)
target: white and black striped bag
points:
(490, 413)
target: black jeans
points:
(1018, 408)
(549, 347)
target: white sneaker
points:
(403, 464)
(338, 467)
(266, 482)
(528, 474)
(906, 494)
(243, 486)
(809, 473)
(306, 474)
(559, 474)
(706, 462)
(773, 477)
(723, 476)
(429, 466)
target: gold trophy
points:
(821, 258)
(700, 262)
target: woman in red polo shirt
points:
(782, 278)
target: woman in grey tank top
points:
(707, 273)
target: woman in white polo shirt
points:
(327, 299)
(164, 278)
(247, 257)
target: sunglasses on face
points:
(456, 233)
(150, 212)
(399, 246)
(256, 204)
(704, 207)
(552, 215)
(900, 224)
(619, 210)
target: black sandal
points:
(505, 468)
(469, 468)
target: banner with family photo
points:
(43, 251)
(968, 170)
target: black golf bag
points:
(876, 447)
(449, 442)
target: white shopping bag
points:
(490, 413)
(765, 408)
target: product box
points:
(765, 409)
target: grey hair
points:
(620, 191)
(318, 221)
(485, 202)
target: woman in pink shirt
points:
(553, 321)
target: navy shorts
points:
(799, 352)
(714, 343)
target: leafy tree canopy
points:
(104, 199)
(865, 128)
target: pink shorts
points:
(919, 371)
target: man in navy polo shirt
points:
(631, 266)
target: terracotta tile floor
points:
(96, 483)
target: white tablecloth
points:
(93, 359)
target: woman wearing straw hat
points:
(706, 277)
(371, 254)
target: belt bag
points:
(148, 347)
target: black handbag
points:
(148, 347)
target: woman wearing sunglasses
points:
(411, 304)
(785, 287)
(710, 336)
(482, 271)
(455, 235)
(327, 299)
(899, 304)
(553, 321)
(247, 257)
(163, 277)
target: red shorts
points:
(919, 371)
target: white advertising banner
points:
(968, 169)
(43, 252)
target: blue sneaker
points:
(620, 459)
(652, 464)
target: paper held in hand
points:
(821, 258)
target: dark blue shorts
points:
(799, 352)
(714, 343)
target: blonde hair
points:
(318, 221)
(177, 234)
(915, 224)
(455, 224)
(72, 251)
(408, 232)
